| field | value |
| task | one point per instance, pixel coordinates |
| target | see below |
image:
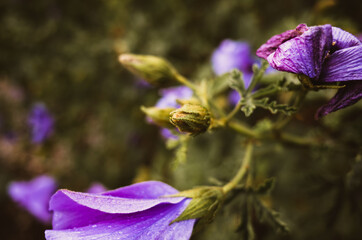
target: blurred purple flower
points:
(168, 99)
(167, 134)
(134, 212)
(233, 55)
(234, 97)
(323, 53)
(34, 195)
(41, 123)
(96, 188)
(170, 95)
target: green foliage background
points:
(64, 53)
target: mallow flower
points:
(324, 54)
(41, 123)
(34, 195)
(140, 211)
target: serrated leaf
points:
(248, 106)
(274, 107)
(236, 81)
(270, 216)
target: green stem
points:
(242, 171)
(242, 129)
(232, 113)
(185, 82)
(258, 74)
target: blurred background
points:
(63, 54)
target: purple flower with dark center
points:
(325, 54)
(41, 123)
(34, 195)
(139, 211)
(233, 55)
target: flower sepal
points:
(155, 70)
(159, 116)
(205, 203)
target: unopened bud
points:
(154, 70)
(191, 118)
(160, 116)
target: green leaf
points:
(274, 107)
(236, 81)
(248, 106)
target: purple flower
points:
(170, 95)
(134, 212)
(41, 123)
(233, 55)
(323, 53)
(34, 195)
(96, 188)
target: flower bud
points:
(154, 70)
(191, 118)
(159, 116)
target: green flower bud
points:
(160, 116)
(205, 203)
(191, 118)
(154, 70)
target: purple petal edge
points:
(345, 97)
(274, 42)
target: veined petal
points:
(147, 225)
(144, 190)
(344, 39)
(343, 65)
(274, 42)
(345, 97)
(75, 209)
(304, 54)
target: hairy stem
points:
(242, 171)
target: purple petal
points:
(303, 54)
(345, 97)
(170, 95)
(343, 65)
(273, 43)
(143, 190)
(120, 214)
(232, 55)
(96, 188)
(343, 39)
(146, 225)
(74, 209)
(34, 195)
